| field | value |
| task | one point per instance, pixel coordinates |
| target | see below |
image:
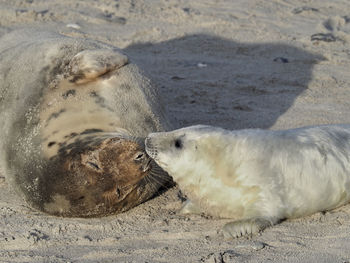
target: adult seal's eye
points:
(178, 144)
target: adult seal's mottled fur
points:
(257, 177)
(72, 112)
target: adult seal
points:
(257, 177)
(72, 115)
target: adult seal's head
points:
(72, 115)
(99, 174)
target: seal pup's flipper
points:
(87, 65)
(246, 227)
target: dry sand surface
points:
(236, 64)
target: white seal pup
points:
(257, 177)
(71, 110)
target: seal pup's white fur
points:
(257, 177)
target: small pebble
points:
(177, 78)
(323, 37)
(281, 60)
(202, 65)
(256, 245)
(118, 20)
(299, 10)
(75, 26)
(88, 238)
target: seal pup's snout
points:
(150, 147)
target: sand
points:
(235, 64)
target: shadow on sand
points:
(210, 80)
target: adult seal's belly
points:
(73, 113)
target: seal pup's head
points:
(185, 151)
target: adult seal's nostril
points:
(146, 165)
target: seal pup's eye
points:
(178, 144)
(139, 156)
